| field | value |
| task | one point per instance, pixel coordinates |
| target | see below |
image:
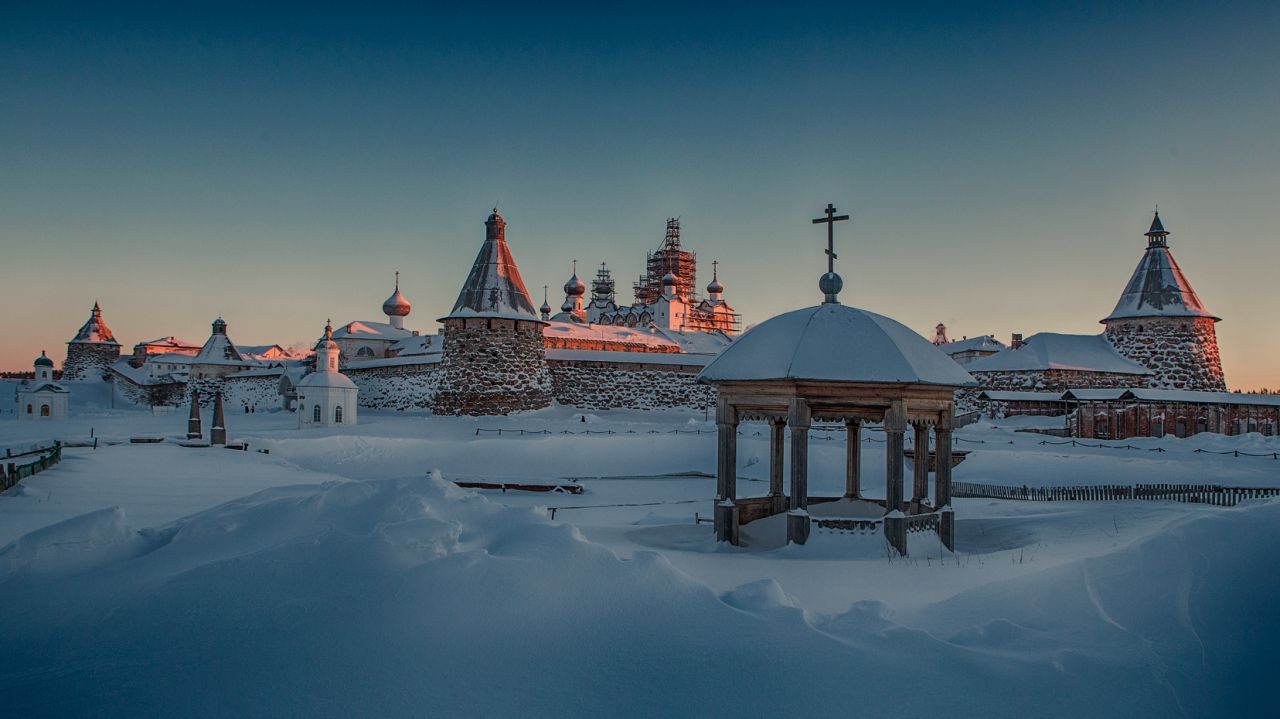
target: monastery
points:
(497, 353)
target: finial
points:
(715, 269)
(830, 283)
(575, 268)
(544, 293)
(397, 280)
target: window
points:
(315, 414)
(337, 414)
(28, 409)
(364, 352)
(333, 363)
(44, 410)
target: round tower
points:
(92, 350)
(493, 360)
(1161, 324)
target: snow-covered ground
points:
(335, 576)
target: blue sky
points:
(276, 167)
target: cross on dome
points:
(830, 283)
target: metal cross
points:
(831, 219)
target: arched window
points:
(315, 414)
(44, 410)
(28, 409)
(364, 352)
(337, 414)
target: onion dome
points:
(326, 342)
(396, 305)
(43, 361)
(545, 308)
(567, 306)
(669, 280)
(575, 287)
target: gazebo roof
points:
(835, 343)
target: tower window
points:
(44, 410)
(337, 414)
(315, 415)
(28, 409)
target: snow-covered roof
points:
(1144, 394)
(270, 352)
(141, 376)
(220, 350)
(1091, 394)
(326, 379)
(835, 343)
(400, 361)
(1054, 351)
(608, 333)
(666, 358)
(1002, 396)
(169, 342)
(984, 343)
(174, 357)
(30, 387)
(259, 372)
(494, 287)
(419, 345)
(95, 331)
(369, 330)
(1158, 287)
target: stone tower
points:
(1161, 324)
(92, 350)
(493, 360)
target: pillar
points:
(726, 509)
(798, 517)
(194, 430)
(920, 465)
(895, 523)
(853, 459)
(942, 480)
(218, 434)
(777, 438)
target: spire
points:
(494, 287)
(1157, 287)
(94, 331)
(1157, 234)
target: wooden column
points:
(798, 417)
(942, 479)
(920, 465)
(726, 511)
(853, 459)
(895, 424)
(777, 449)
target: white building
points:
(41, 397)
(326, 397)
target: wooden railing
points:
(1194, 493)
(11, 473)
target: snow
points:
(670, 358)
(983, 343)
(326, 379)
(834, 342)
(339, 576)
(1011, 396)
(369, 330)
(1054, 351)
(494, 287)
(398, 361)
(1158, 289)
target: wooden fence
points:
(1195, 493)
(11, 473)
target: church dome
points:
(545, 308)
(326, 342)
(43, 361)
(574, 287)
(835, 343)
(715, 287)
(669, 280)
(396, 305)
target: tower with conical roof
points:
(1160, 322)
(493, 359)
(92, 350)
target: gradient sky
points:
(276, 167)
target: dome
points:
(336, 380)
(835, 343)
(43, 361)
(219, 326)
(669, 280)
(715, 287)
(574, 287)
(326, 342)
(545, 308)
(396, 305)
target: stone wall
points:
(575, 343)
(172, 393)
(88, 360)
(261, 392)
(492, 366)
(1182, 352)
(397, 387)
(1054, 380)
(612, 385)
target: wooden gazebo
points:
(833, 363)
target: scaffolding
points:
(672, 259)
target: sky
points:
(275, 167)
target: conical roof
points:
(494, 287)
(1158, 288)
(95, 331)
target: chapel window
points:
(337, 414)
(315, 415)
